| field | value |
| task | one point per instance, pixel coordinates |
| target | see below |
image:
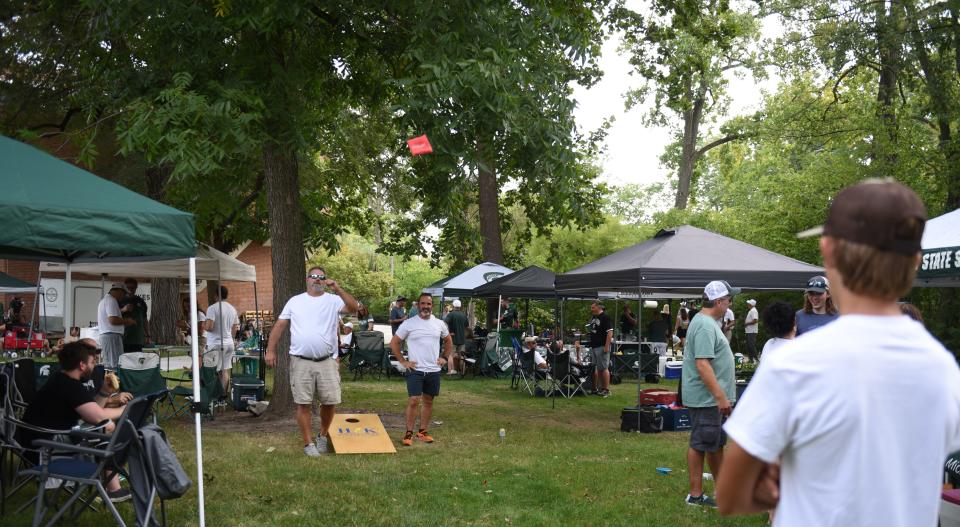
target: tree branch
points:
(713, 144)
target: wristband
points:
(104, 395)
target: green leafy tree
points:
(682, 50)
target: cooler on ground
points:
(673, 369)
(676, 419)
(246, 390)
(654, 396)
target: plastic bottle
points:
(503, 434)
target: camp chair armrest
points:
(91, 434)
(46, 444)
(34, 428)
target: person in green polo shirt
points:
(134, 307)
(709, 387)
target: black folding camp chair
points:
(369, 356)
(92, 462)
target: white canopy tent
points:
(209, 264)
(940, 264)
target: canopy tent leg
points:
(258, 326)
(68, 300)
(194, 350)
(499, 314)
(639, 349)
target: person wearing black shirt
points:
(64, 401)
(628, 321)
(601, 337)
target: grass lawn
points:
(568, 465)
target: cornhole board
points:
(360, 434)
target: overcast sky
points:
(633, 149)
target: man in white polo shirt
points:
(313, 318)
(849, 425)
(422, 333)
(110, 324)
(221, 323)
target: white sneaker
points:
(311, 450)
(323, 444)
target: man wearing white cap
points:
(751, 324)
(457, 323)
(110, 324)
(709, 387)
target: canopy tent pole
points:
(194, 350)
(639, 345)
(526, 318)
(499, 315)
(258, 327)
(68, 300)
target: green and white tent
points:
(940, 263)
(55, 211)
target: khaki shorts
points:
(309, 379)
(460, 349)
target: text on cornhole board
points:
(360, 434)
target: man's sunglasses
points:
(317, 276)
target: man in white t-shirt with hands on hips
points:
(423, 334)
(313, 318)
(849, 425)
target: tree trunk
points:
(889, 35)
(287, 255)
(164, 292)
(688, 156)
(489, 201)
(165, 301)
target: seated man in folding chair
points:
(539, 362)
(64, 401)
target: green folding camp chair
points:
(140, 374)
(180, 397)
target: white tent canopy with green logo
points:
(940, 263)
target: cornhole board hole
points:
(360, 434)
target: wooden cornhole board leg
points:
(360, 434)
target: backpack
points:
(171, 480)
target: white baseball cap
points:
(719, 289)
(457, 303)
(348, 325)
(752, 302)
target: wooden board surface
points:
(360, 434)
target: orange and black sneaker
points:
(408, 438)
(424, 436)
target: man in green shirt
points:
(457, 323)
(709, 387)
(133, 306)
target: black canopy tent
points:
(681, 261)
(529, 282)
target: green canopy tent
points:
(60, 213)
(9, 284)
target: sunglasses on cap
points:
(317, 276)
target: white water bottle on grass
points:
(503, 434)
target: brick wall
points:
(241, 293)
